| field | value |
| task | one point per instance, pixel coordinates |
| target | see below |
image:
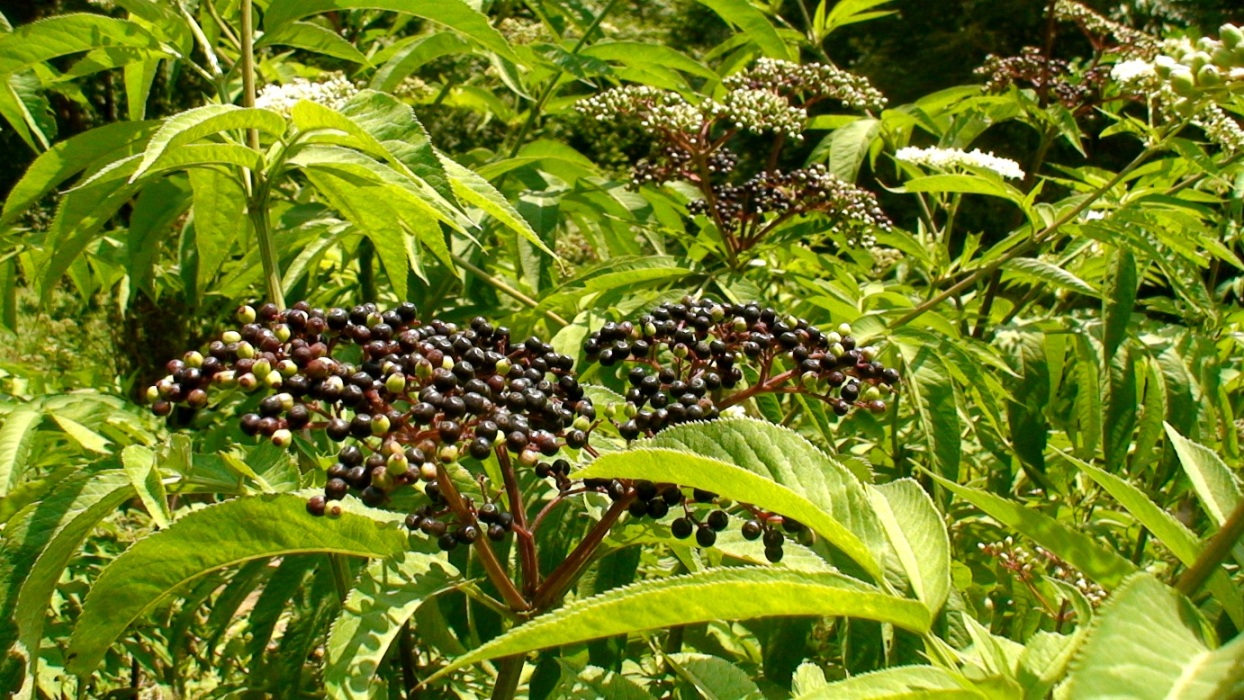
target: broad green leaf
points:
(313, 38)
(848, 146)
(200, 155)
(473, 190)
(636, 53)
(965, 184)
(386, 596)
(717, 594)
(1117, 302)
(715, 678)
(1216, 486)
(928, 382)
(1121, 407)
(1140, 646)
(1174, 535)
(40, 540)
(67, 34)
(1046, 273)
(26, 108)
(84, 436)
(736, 483)
(160, 204)
(1102, 565)
(414, 54)
(72, 156)
(902, 683)
(140, 467)
(455, 14)
(1088, 396)
(138, 78)
(219, 218)
(15, 441)
(363, 203)
(194, 124)
(207, 540)
(753, 24)
(918, 537)
(595, 683)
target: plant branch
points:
(507, 289)
(554, 587)
(523, 538)
(483, 548)
(1216, 550)
(509, 671)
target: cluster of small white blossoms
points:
(951, 158)
(808, 82)
(517, 30)
(657, 110)
(758, 111)
(332, 92)
(1025, 564)
(1134, 71)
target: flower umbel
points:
(953, 158)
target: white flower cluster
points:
(333, 92)
(810, 82)
(953, 158)
(517, 30)
(758, 111)
(1134, 71)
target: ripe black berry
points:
(705, 536)
(681, 528)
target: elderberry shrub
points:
(407, 398)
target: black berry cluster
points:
(1047, 76)
(686, 363)
(403, 397)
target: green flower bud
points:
(1209, 76)
(1231, 35)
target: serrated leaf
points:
(730, 594)
(455, 14)
(848, 146)
(918, 537)
(1216, 486)
(1174, 535)
(474, 190)
(219, 217)
(903, 683)
(752, 22)
(841, 514)
(1041, 271)
(84, 436)
(207, 540)
(1117, 301)
(715, 678)
(38, 544)
(965, 184)
(409, 57)
(313, 38)
(15, 437)
(194, 124)
(67, 34)
(1088, 397)
(1140, 646)
(929, 384)
(140, 467)
(1102, 565)
(386, 596)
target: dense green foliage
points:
(987, 445)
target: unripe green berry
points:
(226, 378)
(582, 423)
(1182, 82)
(1231, 35)
(287, 368)
(1209, 76)
(504, 366)
(868, 352)
(282, 438)
(448, 454)
(380, 425)
(193, 358)
(248, 382)
(395, 383)
(837, 350)
(424, 369)
(427, 471)
(261, 368)
(152, 394)
(281, 332)
(286, 399)
(230, 337)
(245, 314)
(273, 380)
(246, 351)
(844, 329)
(396, 465)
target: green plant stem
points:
(406, 650)
(527, 560)
(507, 289)
(341, 575)
(509, 671)
(1215, 552)
(367, 270)
(257, 207)
(248, 67)
(554, 587)
(1043, 236)
(483, 548)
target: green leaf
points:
(455, 14)
(965, 184)
(1121, 408)
(194, 124)
(1117, 302)
(474, 190)
(714, 678)
(1216, 486)
(84, 436)
(918, 536)
(15, 437)
(717, 594)
(903, 683)
(39, 542)
(752, 22)
(219, 217)
(848, 146)
(932, 390)
(140, 467)
(1174, 535)
(138, 78)
(66, 34)
(1102, 565)
(1141, 646)
(826, 517)
(1088, 396)
(848, 12)
(1043, 272)
(313, 38)
(414, 54)
(640, 54)
(386, 596)
(208, 540)
(72, 156)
